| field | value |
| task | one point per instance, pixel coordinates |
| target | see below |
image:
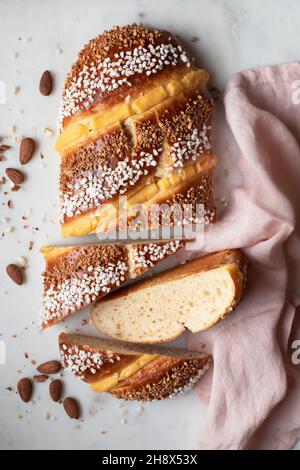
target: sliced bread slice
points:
(132, 371)
(193, 296)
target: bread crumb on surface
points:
(48, 132)
(16, 90)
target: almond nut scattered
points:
(50, 367)
(55, 389)
(40, 378)
(3, 148)
(27, 149)
(16, 176)
(46, 84)
(15, 273)
(24, 387)
(71, 407)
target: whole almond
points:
(50, 367)
(16, 176)
(71, 407)
(46, 83)
(24, 387)
(15, 273)
(27, 149)
(55, 389)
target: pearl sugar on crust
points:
(146, 256)
(190, 384)
(110, 74)
(74, 293)
(79, 361)
(92, 189)
(195, 143)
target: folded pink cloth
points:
(254, 391)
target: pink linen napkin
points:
(254, 391)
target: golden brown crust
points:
(107, 149)
(192, 204)
(162, 378)
(79, 259)
(172, 371)
(87, 361)
(79, 275)
(194, 190)
(93, 68)
(118, 161)
(179, 117)
(124, 132)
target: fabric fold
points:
(253, 395)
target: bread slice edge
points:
(125, 347)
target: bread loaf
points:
(135, 121)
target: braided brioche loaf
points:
(131, 371)
(135, 121)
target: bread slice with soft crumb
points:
(193, 296)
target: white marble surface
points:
(38, 35)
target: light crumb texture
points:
(162, 311)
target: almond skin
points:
(40, 378)
(46, 84)
(24, 387)
(15, 273)
(16, 176)
(71, 407)
(50, 367)
(27, 149)
(3, 148)
(55, 390)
